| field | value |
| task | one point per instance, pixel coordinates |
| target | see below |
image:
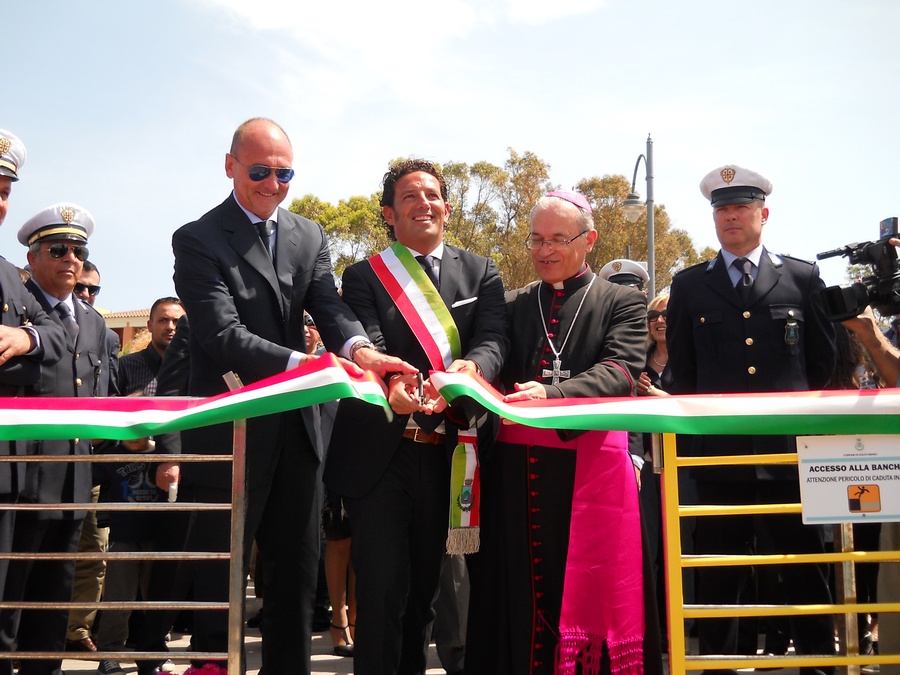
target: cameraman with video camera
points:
(887, 359)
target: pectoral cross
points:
(556, 373)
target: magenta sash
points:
(603, 593)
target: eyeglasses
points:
(259, 172)
(92, 291)
(552, 244)
(58, 251)
(653, 315)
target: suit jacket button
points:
(752, 370)
(749, 342)
(746, 315)
(702, 319)
(78, 382)
(5, 307)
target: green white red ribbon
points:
(793, 413)
(328, 379)
(324, 379)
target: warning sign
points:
(864, 498)
(847, 479)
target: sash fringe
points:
(582, 653)
(463, 540)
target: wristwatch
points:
(356, 346)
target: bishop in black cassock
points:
(573, 335)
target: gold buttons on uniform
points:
(746, 314)
(77, 381)
(752, 370)
(702, 319)
(790, 312)
(5, 307)
(749, 342)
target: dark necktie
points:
(265, 229)
(745, 267)
(68, 320)
(427, 263)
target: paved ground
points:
(324, 662)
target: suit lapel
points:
(718, 280)
(768, 276)
(450, 271)
(286, 248)
(243, 238)
(38, 294)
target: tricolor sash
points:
(425, 313)
(419, 303)
(465, 496)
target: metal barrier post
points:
(237, 572)
(672, 548)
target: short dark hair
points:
(165, 301)
(402, 168)
(90, 267)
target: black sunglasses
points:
(91, 290)
(259, 172)
(58, 251)
(653, 315)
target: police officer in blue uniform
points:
(56, 238)
(750, 320)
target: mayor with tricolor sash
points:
(439, 308)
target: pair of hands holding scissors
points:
(410, 392)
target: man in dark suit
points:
(28, 339)
(57, 247)
(750, 321)
(246, 271)
(395, 476)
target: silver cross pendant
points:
(556, 373)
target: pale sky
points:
(128, 108)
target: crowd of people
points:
(518, 550)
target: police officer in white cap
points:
(625, 272)
(57, 248)
(28, 338)
(750, 321)
(12, 158)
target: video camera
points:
(881, 289)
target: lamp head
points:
(633, 207)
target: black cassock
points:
(517, 577)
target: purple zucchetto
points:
(575, 198)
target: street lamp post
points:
(634, 207)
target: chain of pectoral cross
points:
(557, 372)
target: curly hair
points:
(400, 169)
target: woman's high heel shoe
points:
(345, 649)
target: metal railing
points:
(675, 562)
(237, 573)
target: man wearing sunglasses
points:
(28, 339)
(57, 247)
(246, 271)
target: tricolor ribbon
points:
(793, 413)
(324, 379)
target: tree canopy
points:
(489, 216)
